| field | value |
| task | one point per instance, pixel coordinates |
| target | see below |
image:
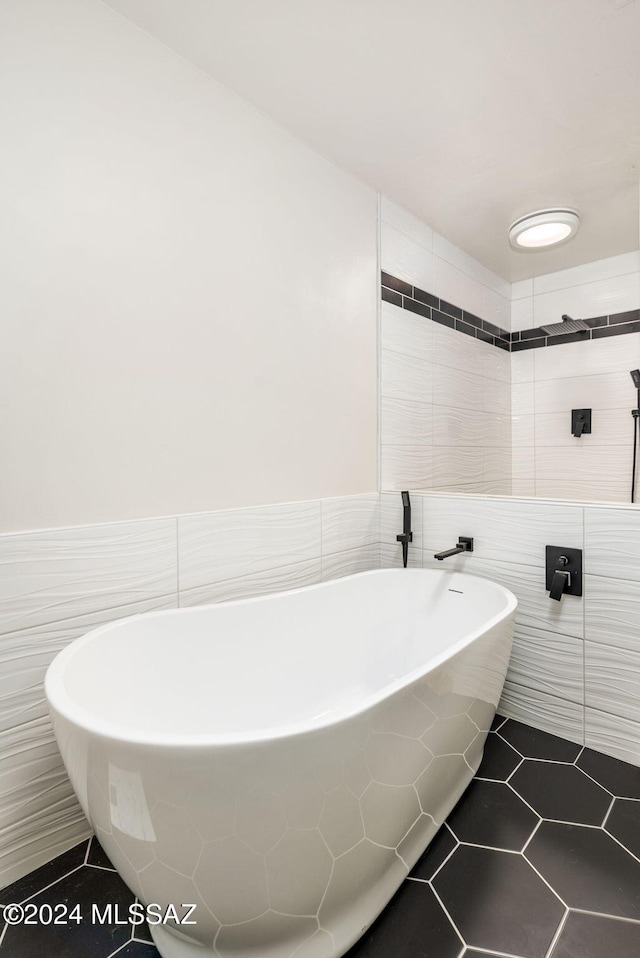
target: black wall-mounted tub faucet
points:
(464, 545)
(406, 536)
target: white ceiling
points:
(469, 113)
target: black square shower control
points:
(561, 559)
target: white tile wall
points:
(59, 584)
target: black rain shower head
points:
(568, 325)
(635, 375)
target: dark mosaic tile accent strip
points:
(403, 294)
(539, 859)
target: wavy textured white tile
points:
(612, 542)
(453, 426)
(405, 332)
(349, 523)
(535, 608)
(605, 391)
(589, 358)
(456, 351)
(497, 470)
(452, 254)
(406, 467)
(496, 397)
(217, 546)
(548, 662)
(397, 216)
(588, 273)
(523, 487)
(405, 377)
(405, 423)
(453, 465)
(453, 388)
(496, 363)
(497, 487)
(612, 680)
(523, 462)
(496, 308)
(610, 427)
(61, 573)
(456, 286)
(521, 315)
(612, 611)
(547, 712)
(583, 463)
(611, 295)
(503, 531)
(391, 556)
(522, 399)
(521, 289)
(350, 562)
(613, 735)
(522, 366)
(275, 579)
(522, 430)
(595, 491)
(401, 256)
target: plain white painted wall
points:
(189, 293)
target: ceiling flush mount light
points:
(544, 228)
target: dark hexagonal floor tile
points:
(490, 813)
(533, 743)
(441, 845)
(499, 759)
(137, 949)
(52, 871)
(619, 778)
(594, 936)
(413, 925)
(498, 720)
(97, 855)
(587, 868)
(561, 792)
(84, 886)
(498, 902)
(624, 824)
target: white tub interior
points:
(259, 667)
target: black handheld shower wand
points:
(635, 375)
(406, 536)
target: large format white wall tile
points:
(612, 542)
(350, 523)
(503, 531)
(612, 610)
(55, 586)
(451, 387)
(458, 466)
(401, 256)
(548, 662)
(452, 254)
(57, 574)
(522, 316)
(406, 467)
(522, 365)
(406, 222)
(589, 358)
(496, 397)
(496, 308)
(547, 712)
(582, 463)
(257, 582)
(407, 423)
(455, 426)
(457, 287)
(600, 298)
(406, 377)
(496, 363)
(217, 546)
(604, 391)
(612, 680)
(609, 427)
(626, 263)
(589, 492)
(350, 562)
(613, 735)
(405, 332)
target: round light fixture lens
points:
(543, 229)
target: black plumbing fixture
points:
(568, 325)
(580, 422)
(406, 536)
(464, 545)
(563, 568)
(635, 375)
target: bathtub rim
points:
(61, 703)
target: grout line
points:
(608, 812)
(604, 914)
(559, 931)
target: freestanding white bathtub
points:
(281, 762)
